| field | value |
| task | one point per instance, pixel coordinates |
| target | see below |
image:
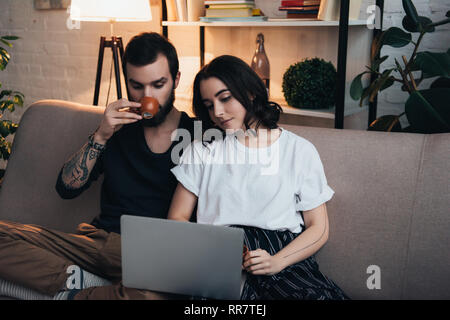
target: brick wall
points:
(57, 60)
(391, 101)
(51, 61)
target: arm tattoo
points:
(93, 154)
(78, 170)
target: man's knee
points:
(17, 231)
(6, 228)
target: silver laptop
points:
(181, 257)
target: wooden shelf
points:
(269, 23)
(321, 113)
(185, 102)
(341, 27)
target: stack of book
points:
(184, 10)
(306, 9)
(231, 10)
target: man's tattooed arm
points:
(76, 171)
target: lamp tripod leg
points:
(117, 67)
(98, 77)
(120, 45)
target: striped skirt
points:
(302, 280)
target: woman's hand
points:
(260, 262)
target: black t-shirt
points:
(136, 180)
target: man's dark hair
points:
(144, 48)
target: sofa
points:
(389, 218)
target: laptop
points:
(181, 257)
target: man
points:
(134, 154)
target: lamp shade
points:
(110, 10)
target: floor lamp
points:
(110, 11)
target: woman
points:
(258, 177)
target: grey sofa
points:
(389, 217)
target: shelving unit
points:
(269, 23)
(319, 113)
(343, 25)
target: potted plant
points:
(310, 84)
(9, 99)
(426, 109)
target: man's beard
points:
(161, 115)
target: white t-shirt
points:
(261, 187)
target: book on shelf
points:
(208, 2)
(234, 19)
(181, 10)
(300, 9)
(330, 10)
(229, 6)
(303, 15)
(195, 9)
(295, 3)
(171, 10)
(303, 8)
(229, 13)
(185, 10)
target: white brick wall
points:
(51, 61)
(391, 101)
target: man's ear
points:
(177, 80)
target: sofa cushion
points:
(390, 208)
(374, 175)
(49, 133)
(428, 261)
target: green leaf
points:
(376, 64)
(6, 42)
(427, 110)
(433, 63)
(5, 148)
(18, 100)
(395, 37)
(5, 93)
(7, 127)
(4, 58)
(4, 131)
(379, 83)
(356, 88)
(441, 83)
(387, 123)
(411, 11)
(10, 38)
(389, 82)
(440, 23)
(410, 26)
(10, 106)
(364, 95)
(7, 104)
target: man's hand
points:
(114, 118)
(260, 262)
